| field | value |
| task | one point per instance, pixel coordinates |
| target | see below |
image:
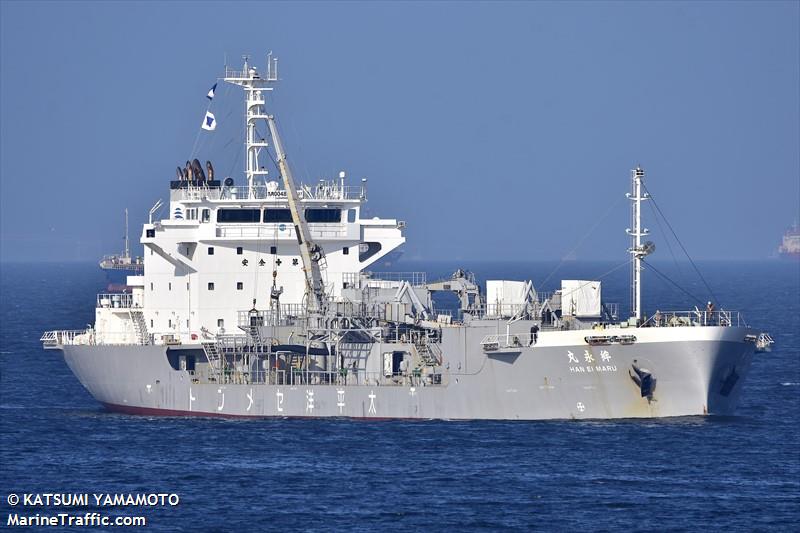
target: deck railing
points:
(55, 339)
(283, 231)
(492, 343)
(696, 318)
(375, 279)
(116, 300)
(342, 377)
(262, 192)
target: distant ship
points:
(119, 267)
(389, 259)
(790, 247)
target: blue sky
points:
(496, 130)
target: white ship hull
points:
(697, 371)
(255, 301)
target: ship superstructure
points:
(255, 301)
(225, 247)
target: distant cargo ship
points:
(119, 267)
(790, 247)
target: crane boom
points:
(310, 252)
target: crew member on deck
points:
(534, 335)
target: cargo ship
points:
(118, 267)
(790, 245)
(257, 300)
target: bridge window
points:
(277, 215)
(351, 215)
(206, 215)
(241, 216)
(323, 215)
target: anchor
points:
(644, 380)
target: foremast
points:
(638, 250)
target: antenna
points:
(127, 249)
(637, 249)
(255, 89)
(272, 67)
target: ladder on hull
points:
(213, 356)
(140, 327)
(429, 353)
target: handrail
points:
(281, 231)
(360, 280)
(56, 339)
(339, 378)
(263, 192)
(695, 317)
(503, 341)
(116, 300)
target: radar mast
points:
(255, 86)
(637, 249)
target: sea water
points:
(716, 473)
